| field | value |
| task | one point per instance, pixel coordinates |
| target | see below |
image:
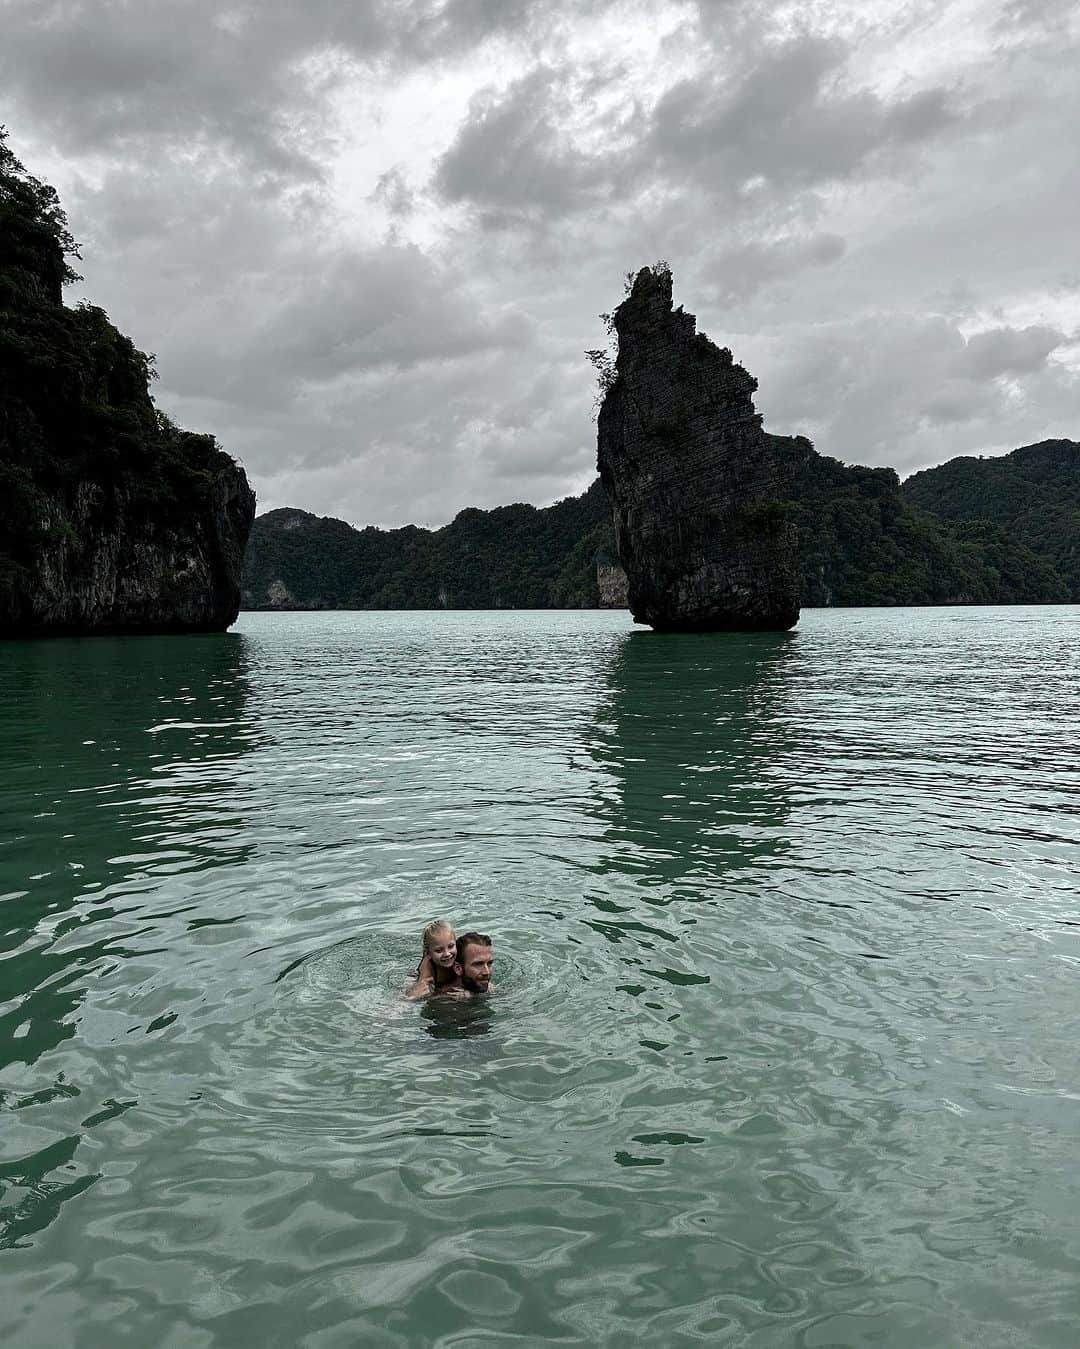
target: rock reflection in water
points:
(120, 782)
(450, 1018)
(686, 735)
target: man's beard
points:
(471, 986)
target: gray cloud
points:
(416, 445)
(131, 78)
(788, 121)
(913, 391)
(248, 81)
(337, 317)
(387, 307)
(369, 243)
(735, 274)
(1010, 351)
(509, 155)
(1050, 18)
(394, 193)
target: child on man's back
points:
(436, 968)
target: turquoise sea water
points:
(785, 1044)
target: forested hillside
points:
(1032, 496)
(993, 531)
(515, 557)
(864, 541)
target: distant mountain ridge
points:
(516, 557)
(866, 540)
(1000, 530)
(1033, 494)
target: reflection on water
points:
(783, 1042)
(686, 732)
(450, 1018)
(119, 762)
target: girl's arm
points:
(425, 979)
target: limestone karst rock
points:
(697, 487)
(112, 520)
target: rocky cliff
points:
(112, 520)
(696, 487)
(610, 586)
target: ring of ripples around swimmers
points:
(343, 1040)
(366, 973)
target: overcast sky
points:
(369, 241)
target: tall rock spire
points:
(697, 488)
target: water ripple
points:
(782, 1048)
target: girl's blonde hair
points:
(435, 926)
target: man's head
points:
(474, 961)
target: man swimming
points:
(452, 966)
(474, 961)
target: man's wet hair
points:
(467, 939)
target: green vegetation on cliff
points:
(1029, 498)
(863, 539)
(89, 468)
(511, 557)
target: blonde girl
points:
(439, 954)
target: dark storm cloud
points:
(788, 120)
(369, 242)
(509, 154)
(333, 315)
(1010, 351)
(245, 80)
(390, 306)
(896, 393)
(737, 273)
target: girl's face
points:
(443, 948)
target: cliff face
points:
(112, 520)
(695, 484)
(106, 564)
(611, 585)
